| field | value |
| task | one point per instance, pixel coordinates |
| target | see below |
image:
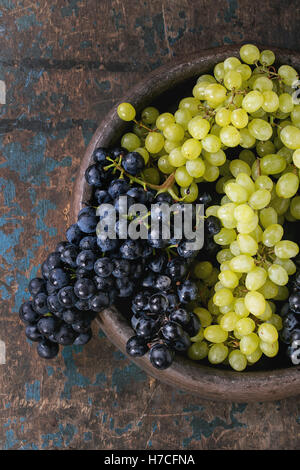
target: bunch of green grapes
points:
(245, 103)
(240, 322)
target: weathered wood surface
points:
(65, 63)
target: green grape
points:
(182, 117)
(154, 142)
(149, 115)
(247, 244)
(287, 264)
(272, 164)
(230, 136)
(272, 235)
(271, 100)
(151, 175)
(247, 156)
(126, 111)
(213, 278)
(260, 199)
(199, 89)
(169, 146)
(203, 269)
(267, 57)
(206, 78)
(216, 158)
(215, 94)
(211, 143)
(295, 207)
(255, 356)
(242, 264)
(256, 278)
(243, 213)
(223, 117)
(190, 193)
(191, 149)
(182, 177)
(286, 104)
(215, 130)
(199, 336)
(229, 279)
(255, 302)
(198, 127)
(290, 136)
(198, 351)
(164, 120)
(239, 166)
(223, 297)
(268, 217)
(212, 210)
(204, 316)
(176, 159)
(140, 131)
(283, 294)
(130, 141)
(240, 308)
(267, 313)
(245, 326)
(191, 104)
(257, 234)
(244, 180)
(286, 249)
(226, 215)
(249, 53)
(231, 63)
(217, 353)
(164, 165)
(232, 80)
(269, 349)
(213, 309)
(234, 248)
(267, 333)
(173, 132)
(278, 275)
(264, 182)
(195, 168)
(295, 115)
(239, 118)
(260, 129)
(228, 321)
(287, 185)
(252, 101)
(262, 84)
(237, 360)
(224, 255)
(249, 343)
(265, 148)
(269, 290)
(247, 140)
(211, 173)
(225, 236)
(236, 192)
(215, 334)
(143, 152)
(276, 321)
(248, 227)
(280, 205)
(296, 158)
(288, 74)
(245, 71)
(219, 71)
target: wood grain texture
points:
(65, 64)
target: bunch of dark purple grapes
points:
(290, 334)
(88, 271)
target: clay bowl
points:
(274, 379)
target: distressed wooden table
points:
(64, 64)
